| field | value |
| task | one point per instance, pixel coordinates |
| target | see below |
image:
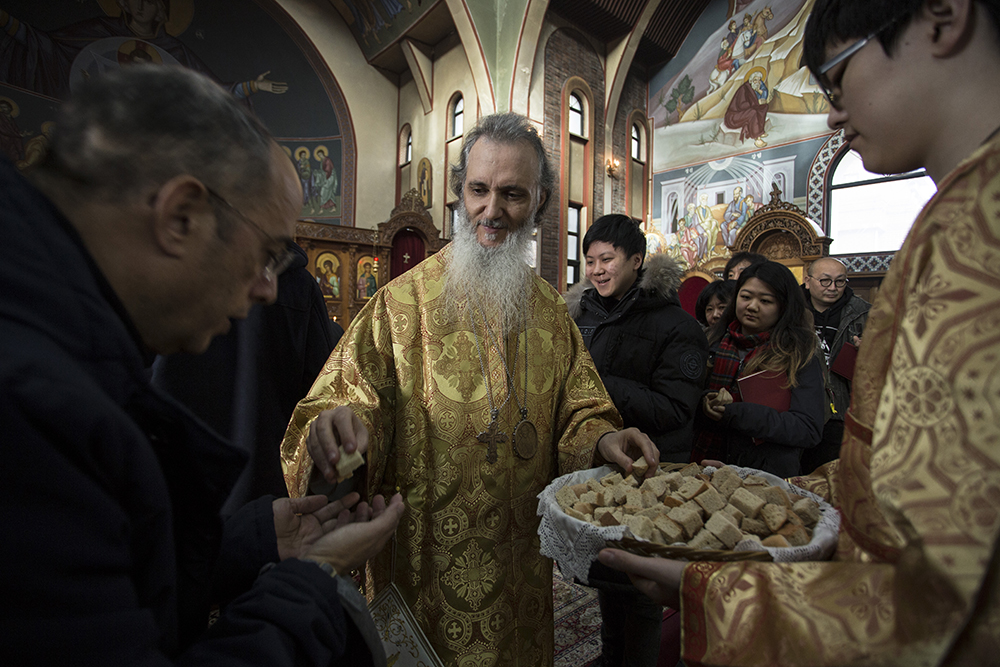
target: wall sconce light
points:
(612, 166)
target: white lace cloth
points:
(574, 544)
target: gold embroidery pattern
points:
(473, 575)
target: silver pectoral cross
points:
(492, 436)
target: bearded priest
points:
(467, 387)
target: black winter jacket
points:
(853, 316)
(650, 353)
(785, 434)
(112, 489)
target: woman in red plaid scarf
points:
(766, 329)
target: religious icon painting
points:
(326, 269)
(367, 277)
(424, 181)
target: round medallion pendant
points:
(525, 439)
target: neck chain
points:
(525, 436)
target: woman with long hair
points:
(766, 327)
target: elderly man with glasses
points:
(840, 316)
(915, 579)
(166, 211)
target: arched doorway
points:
(408, 250)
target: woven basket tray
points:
(643, 548)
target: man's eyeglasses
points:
(826, 282)
(821, 74)
(276, 262)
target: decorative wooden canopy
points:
(411, 214)
(781, 231)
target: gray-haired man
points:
(164, 209)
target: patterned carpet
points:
(578, 623)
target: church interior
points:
(694, 117)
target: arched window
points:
(577, 167)
(872, 212)
(575, 120)
(405, 145)
(405, 156)
(457, 116)
(638, 173)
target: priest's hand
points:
(615, 446)
(356, 537)
(333, 431)
(299, 522)
(658, 578)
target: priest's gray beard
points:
(491, 280)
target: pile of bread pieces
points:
(689, 507)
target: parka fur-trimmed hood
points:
(660, 275)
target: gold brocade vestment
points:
(916, 578)
(468, 561)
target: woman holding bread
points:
(762, 421)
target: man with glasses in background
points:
(839, 316)
(171, 209)
(915, 579)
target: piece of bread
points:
(655, 511)
(754, 527)
(580, 489)
(641, 526)
(584, 508)
(632, 481)
(690, 521)
(710, 500)
(649, 499)
(733, 512)
(673, 500)
(674, 480)
(775, 541)
(695, 507)
(726, 481)
(619, 491)
(808, 510)
(579, 516)
(611, 479)
(797, 536)
(634, 497)
(671, 530)
(774, 516)
(691, 488)
(639, 467)
(777, 496)
(690, 470)
(601, 511)
(655, 485)
(746, 502)
(348, 463)
(566, 497)
(705, 540)
(755, 480)
(607, 518)
(724, 529)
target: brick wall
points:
(634, 96)
(569, 54)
